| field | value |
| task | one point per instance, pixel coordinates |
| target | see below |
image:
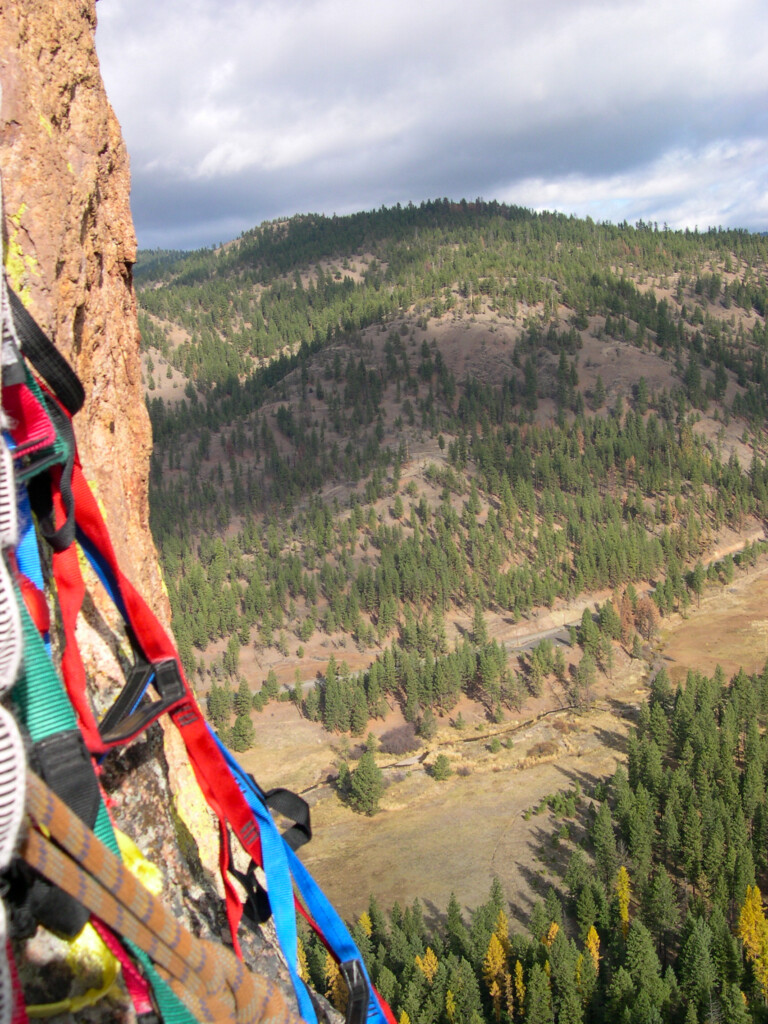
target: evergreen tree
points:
(538, 998)
(243, 698)
(366, 785)
(243, 734)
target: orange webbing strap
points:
(208, 978)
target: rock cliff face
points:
(69, 245)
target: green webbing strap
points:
(44, 708)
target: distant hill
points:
(389, 436)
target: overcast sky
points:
(239, 111)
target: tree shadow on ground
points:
(614, 740)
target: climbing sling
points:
(67, 513)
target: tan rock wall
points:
(70, 246)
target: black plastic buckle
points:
(132, 712)
(357, 986)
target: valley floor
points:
(433, 838)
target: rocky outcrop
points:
(70, 245)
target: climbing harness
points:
(70, 868)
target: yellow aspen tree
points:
(450, 1005)
(494, 991)
(501, 930)
(404, 1018)
(494, 969)
(624, 893)
(365, 923)
(336, 991)
(519, 986)
(593, 946)
(752, 923)
(551, 935)
(753, 932)
(509, 996)
(495, 961)
(427, 964)
(302, 960)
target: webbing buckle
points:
(131, 713)
(357, 986)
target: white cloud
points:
(724, 183)
(422, 99)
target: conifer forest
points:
(389, 440)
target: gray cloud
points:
(237, 111)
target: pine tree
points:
(243, 698)
(538, 998)
(441, 769)
(243, 734)
(479, 628)
(366, 785)
(695, 968)
(660, 907)
(605, 843)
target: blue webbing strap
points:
(280, 853)
(279, 861)
(279, 885)
(27, 552)
(332, 927)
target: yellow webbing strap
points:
(86, 947)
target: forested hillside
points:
(575, 406)
(382, 444)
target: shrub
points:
(441, 769)
(544, 749)
(400, 740)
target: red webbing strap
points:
(138, 988)
(70, 590)
(31, 426)
(71, 593)
(223, 796)
(216, 782)
(19, 1006)
(214, 778)
(153, 639)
